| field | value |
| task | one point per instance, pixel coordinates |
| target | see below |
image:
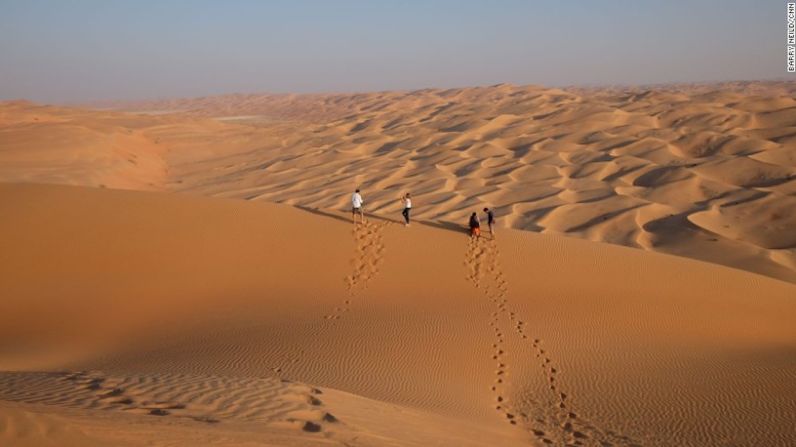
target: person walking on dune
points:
(475, 225)
(356, 207)
(407, 202)
(490, 220)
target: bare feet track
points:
(550, 418)
(368, 257)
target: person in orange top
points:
(475, 225)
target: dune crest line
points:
(701, 171)
(579, 343)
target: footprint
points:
(95, 384)
(368, 255)
(112, 393)
(328, 417)
(311, 427)
(205, 419)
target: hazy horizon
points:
(96, 50)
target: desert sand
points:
(159, 319)
(144, 303)
(705, 171)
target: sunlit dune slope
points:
(151, 318)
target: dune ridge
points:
(676, 169)
(223, 322)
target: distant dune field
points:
(703, 171)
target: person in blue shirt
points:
(490, 220)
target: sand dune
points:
(661, 168)
(146, 318)
(137, 310)
(57, 145)
(19, 427)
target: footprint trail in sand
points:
(368, 257)
(551, 419)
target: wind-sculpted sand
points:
(136, 310)
(140, 318)
(702, 171)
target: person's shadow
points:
(448, 226)
(342, 218)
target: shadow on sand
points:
(342, 217)
(448, 226)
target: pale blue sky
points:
(107, 49)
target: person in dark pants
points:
(407, 202)
(475, 225)
(356, 207)
(490, 220)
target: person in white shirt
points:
(356, 207)
(407, 202)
